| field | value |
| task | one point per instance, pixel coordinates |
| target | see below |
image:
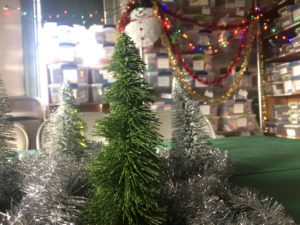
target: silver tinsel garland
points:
(55, 188)
(198, 191)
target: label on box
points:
(70, 75)
(291, 132)
(166, 96)
(163, 63)
(283, 71)
(205, 10)
(238, 108)
(204, 109)
(199, 84)
(241, 122)
(296, 70)
(198, 64)
(297, 85)
(209, 94)
(243, 93)
(288, 87)
(163, 81)
(240, 12)
(296, 14)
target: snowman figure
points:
(144, 28)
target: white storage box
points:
(208, 109)
(74, 74)
(81, 93)
(97, 76)
(98, 91)
(164, 79)
(163, 61)
(239, 123)
(296, 83)
(55, 73)
(54, 92)
(281, 112)
(276, 128)
(151, 77)
(235, 107)
(292, 130)
(150, 61)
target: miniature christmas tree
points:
(9, 173)
(55, 183)
(199, 188)
(65, 130)
(192, 158)
(127, 173)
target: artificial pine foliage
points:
(64, 132)
(10, 179)
(126, 175)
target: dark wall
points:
(75, 9)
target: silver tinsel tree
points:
(198, 191)
(192, 158)
(9, 174)
(55, 184)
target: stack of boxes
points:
(159, 74)
(286, 120)
(79, 56)
(283, 78)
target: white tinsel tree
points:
(64, 132)
(55, 184)
(199, 192)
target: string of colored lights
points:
(176, 34)
(189, 88)
(175, 51)
(207, 100)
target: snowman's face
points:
(139, 13)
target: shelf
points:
(284, 95)
(271, 8)
(284, 57)
(287, 30)
(87, 107)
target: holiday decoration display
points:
(144, 28)
(9, 170)
(199, 191)
(192, 158)
(55, 184)
(127, 172)
(64, 132)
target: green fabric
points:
(260, 154)
(268, 164)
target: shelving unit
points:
(281, 73)
(239, 121)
